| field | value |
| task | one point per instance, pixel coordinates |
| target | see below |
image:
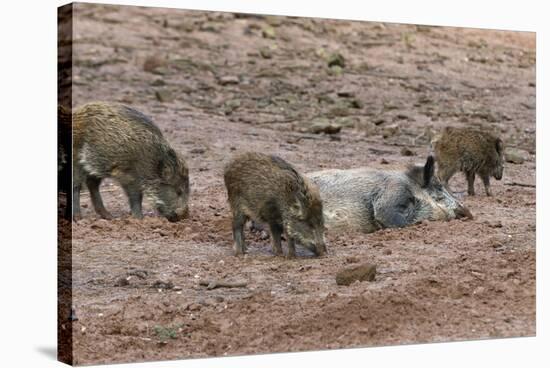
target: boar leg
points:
(76, 201)
(93, 183)
(135, 197)
(471, 177)
(276, 231)
(291, 248)
(486, 183)
(444, 175)
(238, 234)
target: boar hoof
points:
(106, 216)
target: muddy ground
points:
(219, 83)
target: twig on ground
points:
(520, 184)
(212, 284)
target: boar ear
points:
(499, 146)
(296, 208)
(168, 165)
(429, 169)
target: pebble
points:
(514, 156)
(228, 80)
(364, 272)
(159, 284)
(268, 32)
(122, 281)
(164, 96)
(336, 59)
(152, 63)
(407, 152)
(266, 53)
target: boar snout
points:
(463, 211)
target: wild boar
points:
(367, 200)
(470, 151)
(269, 190)
(117, 141)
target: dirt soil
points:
(219, 83)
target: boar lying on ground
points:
(268, 190)
(367, 200)
(111, 140)
(470, 151)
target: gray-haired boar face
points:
(439, 204)
(368, 200)
(269, 190)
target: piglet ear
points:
(429, 169)
(296, 208)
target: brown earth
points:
(219, 83)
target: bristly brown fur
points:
(117, 141)
(470, 151)
(268, 189)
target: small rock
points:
(122, 281)
(194, 307)
(158, 83)
(514, 156)
(352, 259)
(164, 96)
(268, 32)
(161, 70)
(335, 70)
(321, 125)
(494, 224)
(356, 104)
(384, 161)
(266, 53)
(228, 79)
(336, 59)
(387, 251)
(159, 284)
(210, 27)
(101, 224)
(407, 152)
(161, 232)
(379, 122)
(401, 117)
(197, 151)
(152, 63)
(359, 273)
(509, 273)
(345, 93)
(479, 290)
(231, 105)
(390, 131)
